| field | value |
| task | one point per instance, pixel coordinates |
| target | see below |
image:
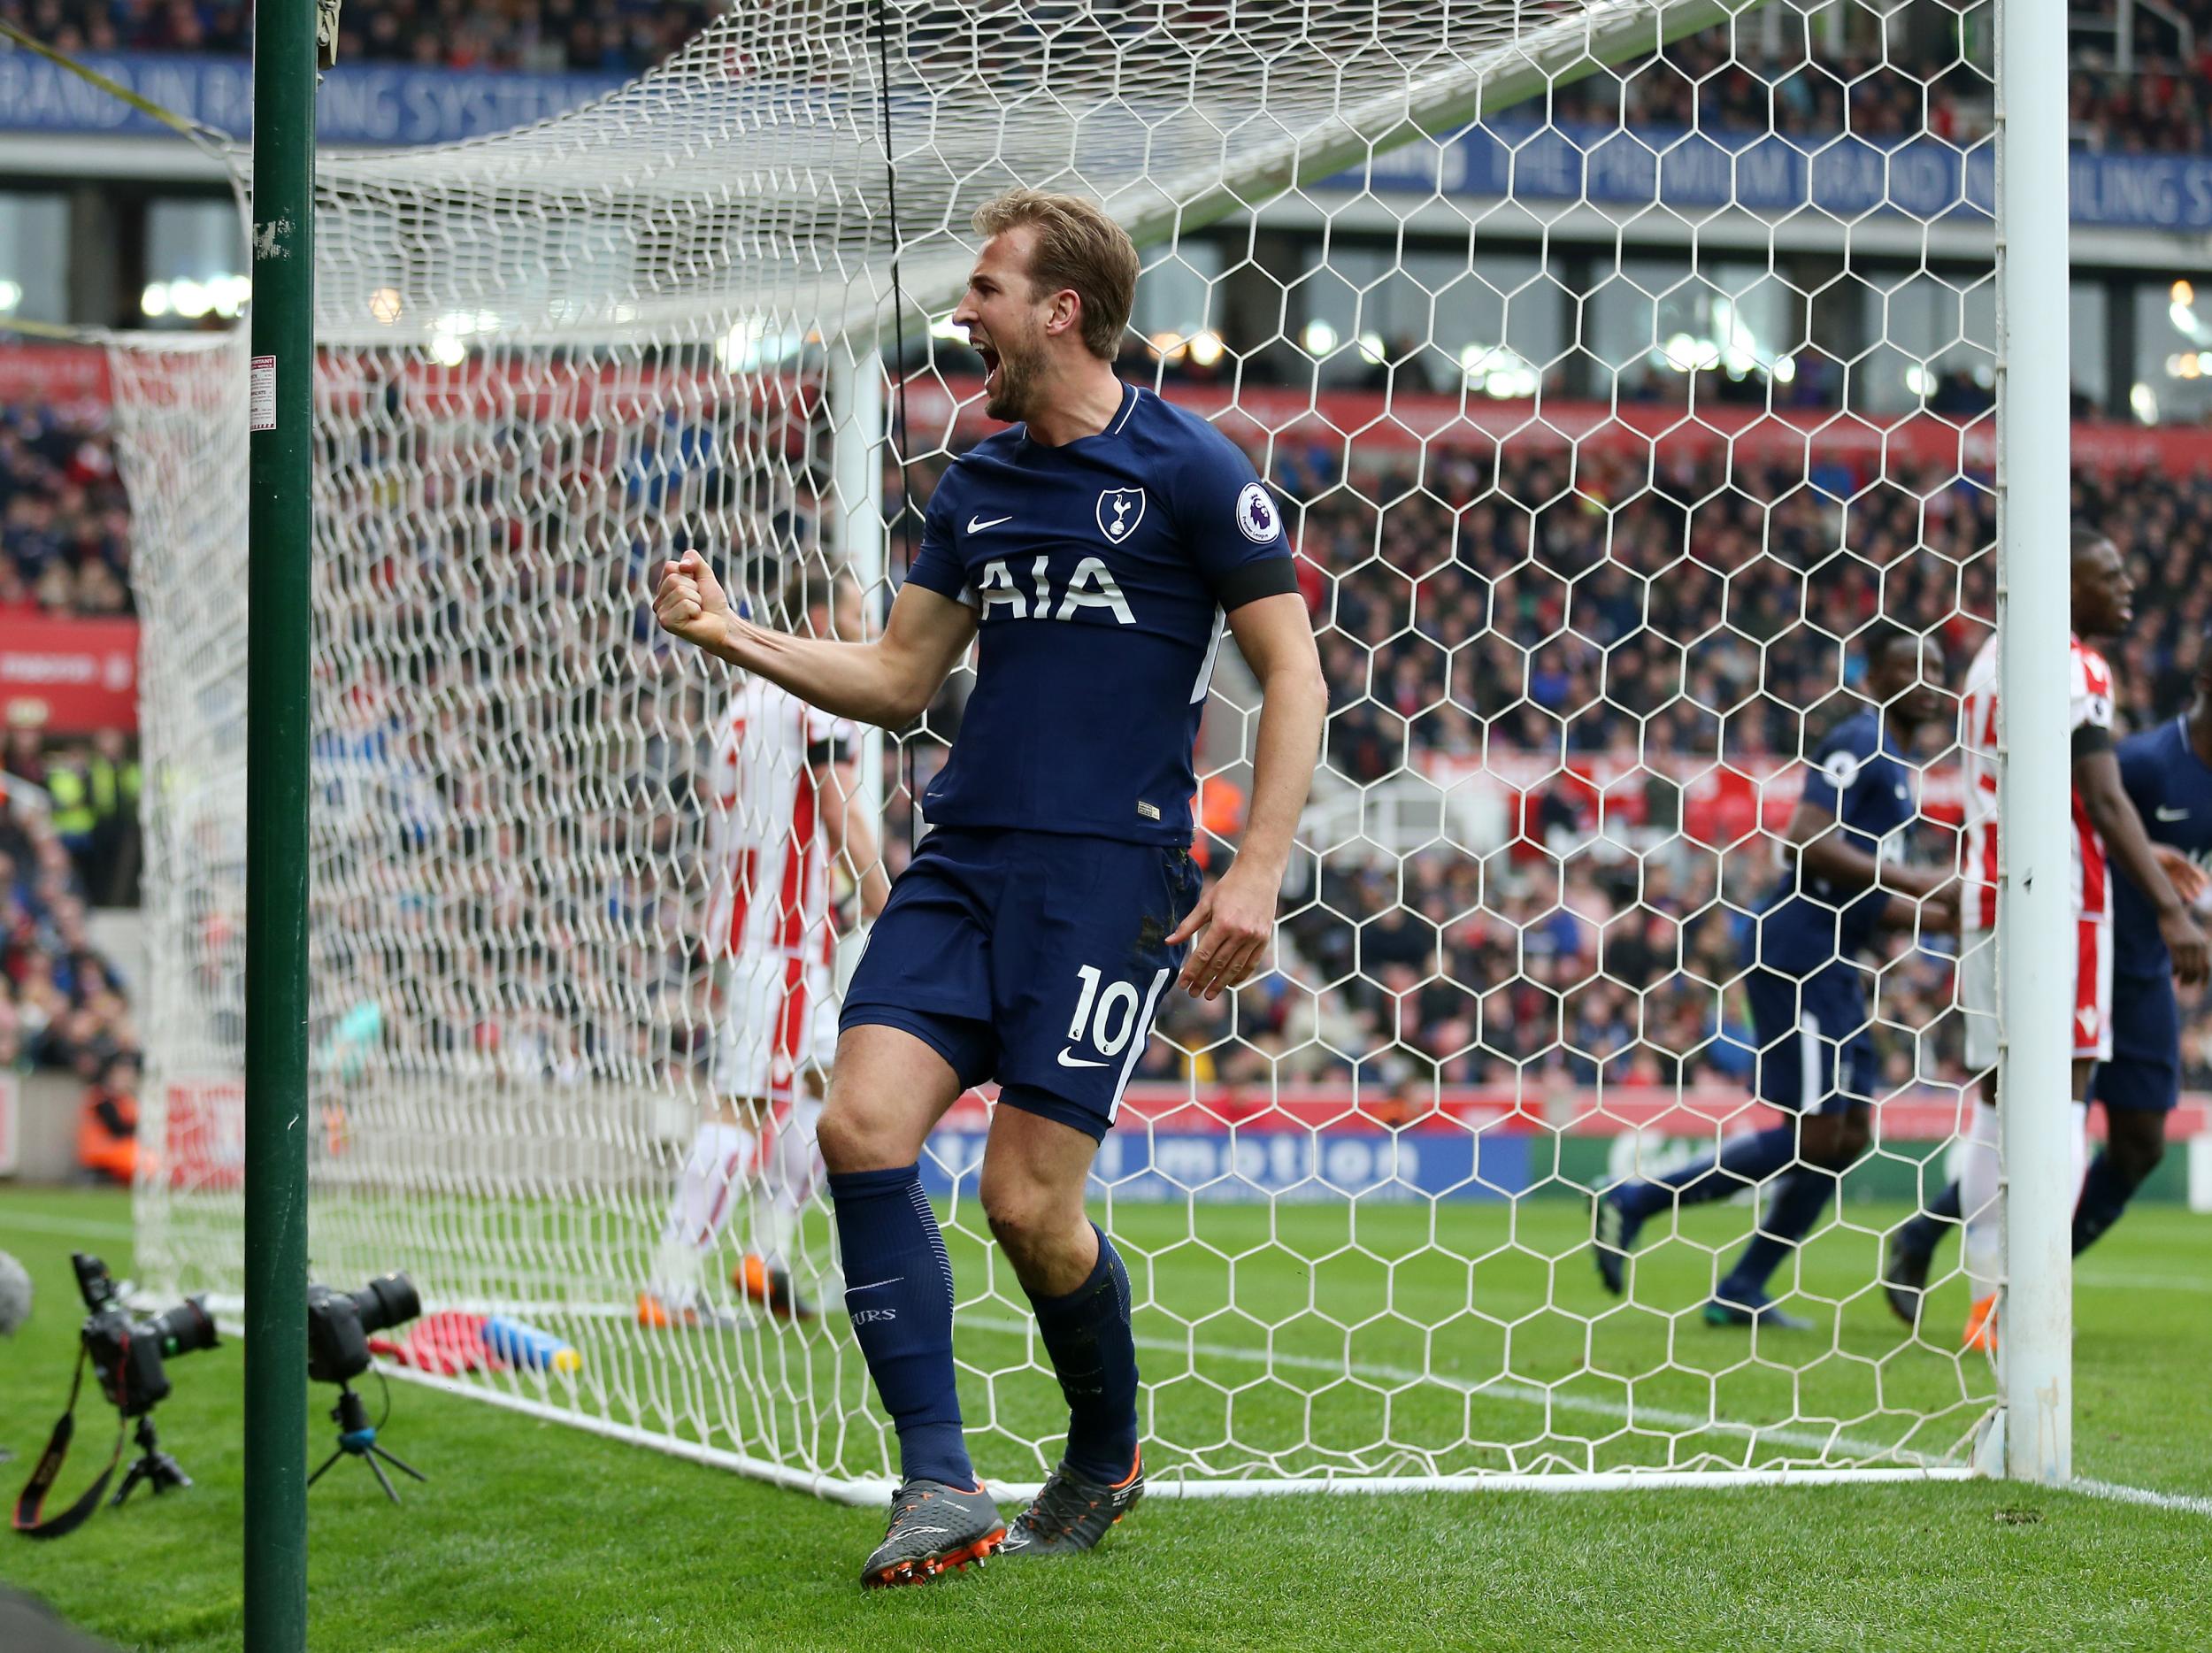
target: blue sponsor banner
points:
(361, 104)
(393, 104)
(1772, 176)
(1760, 172)
(1233, 1166)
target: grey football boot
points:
(1072, 1513)
(934, 1529)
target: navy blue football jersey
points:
(2172, 791)
(1100, 571)
(1858, 776)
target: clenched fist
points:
(689, 602)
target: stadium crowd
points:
(1628, 635)
(543, 36)
(1620, 629)
(64, 519)
(1606, 634)
(63, 1004)
(1720, 78)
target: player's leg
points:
(789, 1171)
(2135, 1141)
(1034, 1172)
(888, 1088)
(1828, 1145)
(1819, 1070)
(1079, 975)
(916, 1033)
(1981, 1176)
(723, 1151)
(2139, 1087)
(2092, 1045)
(699, 1206)
(1980, 1181)
(1745, 1161)
(787, 1176)
(1910, 1253)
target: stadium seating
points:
(1439, 681)
(2157, 109)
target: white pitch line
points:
(1505, 1389)
(2144, 1282)
(32, 1222)
(2119, 1493)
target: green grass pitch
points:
(531, 1535)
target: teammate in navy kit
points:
(1094, 552)
(1808, 986)
(2167, 773)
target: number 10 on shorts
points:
(1107, 1019)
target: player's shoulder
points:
(1982, 669)
(2161, 740)
(1185, 441)
(2089, 665)
(967, 465)
(1859, 735)
(1847, 749)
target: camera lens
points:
(387, 1300)
(184, 1329)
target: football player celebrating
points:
(1093, 552)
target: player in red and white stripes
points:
(785, 782)
(2106, 830)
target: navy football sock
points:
(1793, 1208)
(1919, 1234)
(2105, 1193)
(898, 1290)
(1087, 1333)
(1740, 1164)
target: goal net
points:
(1622, 367)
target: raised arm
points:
(1236, 918)
(888, 681)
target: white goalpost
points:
(2032, 1436)
(1620, 367)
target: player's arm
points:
(852, 839)
(2104, 799)
(1235, 917)
(2187, 878)
(2143, 778)
(1815, 835)
(1824, 849)
(888, 681)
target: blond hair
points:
(1077, 246)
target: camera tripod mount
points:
(357, 1436)
(153, 1468)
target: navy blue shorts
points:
(2145, 1071)
(1815, 1053)
(1038, 959)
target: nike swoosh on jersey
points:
(2168, 814)
(1076, 1061)
(976, 525)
